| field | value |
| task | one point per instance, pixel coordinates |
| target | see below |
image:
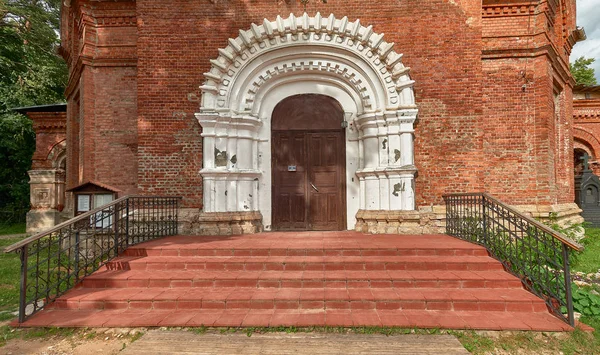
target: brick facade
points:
(492, 87)
(586, 132)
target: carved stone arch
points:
(300, 55)
(339, 35)
(58, 155)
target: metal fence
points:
(535, 253)
(54, 261)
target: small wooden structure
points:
(92, 194)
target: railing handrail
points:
(75, 219)
(561, 237)
(530, 250)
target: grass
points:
(10, 266)
(589, 260)
(18, 228)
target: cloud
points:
(588, 15)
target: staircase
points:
(302, 279)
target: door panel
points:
(325, 177)
(310, 195)
(308, 162)
(289, 187)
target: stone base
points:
(38, 221)
(196, 222)
(427, 220)
(565, 215)
(432, 219)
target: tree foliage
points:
(582, 72)
(31, 73)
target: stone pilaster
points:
(47, 196)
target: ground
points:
(113, 341)
(69, 341)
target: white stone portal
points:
(301, 55)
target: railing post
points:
(77, 241)
(115, 222)
(483, 215)
(176, 216)
(23, 291)
(568, 293)
(448, 228)
(127, 223)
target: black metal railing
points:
(535, 253)
(54, 261)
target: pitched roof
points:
(94, 183)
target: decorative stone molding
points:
(296, 55)
(316, 31)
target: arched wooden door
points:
(308, 164)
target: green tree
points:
(31, 73)
(582, 72)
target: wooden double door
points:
(308, 180)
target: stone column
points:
(47, 195)
(230, 174)
(387, 172)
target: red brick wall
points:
(178, 38)
(139, 66)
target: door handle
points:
(314, 187)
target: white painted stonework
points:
(299, 55)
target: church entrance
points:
(308, 164)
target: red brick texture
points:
(586, 116)
(50, 133)
(136, 67)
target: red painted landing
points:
(303, 279)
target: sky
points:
(588, 17)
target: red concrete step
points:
(174, 250)
(489, 320)
(510, 300)
(302, 279)
(342, 243)
(306, 263)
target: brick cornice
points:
(522, 8)
(512, 8)
(548, 49)
(586, 111)
(103, 14)
(525, 45)
(44, 121)
(587, 104)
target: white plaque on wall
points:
(83, 203)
